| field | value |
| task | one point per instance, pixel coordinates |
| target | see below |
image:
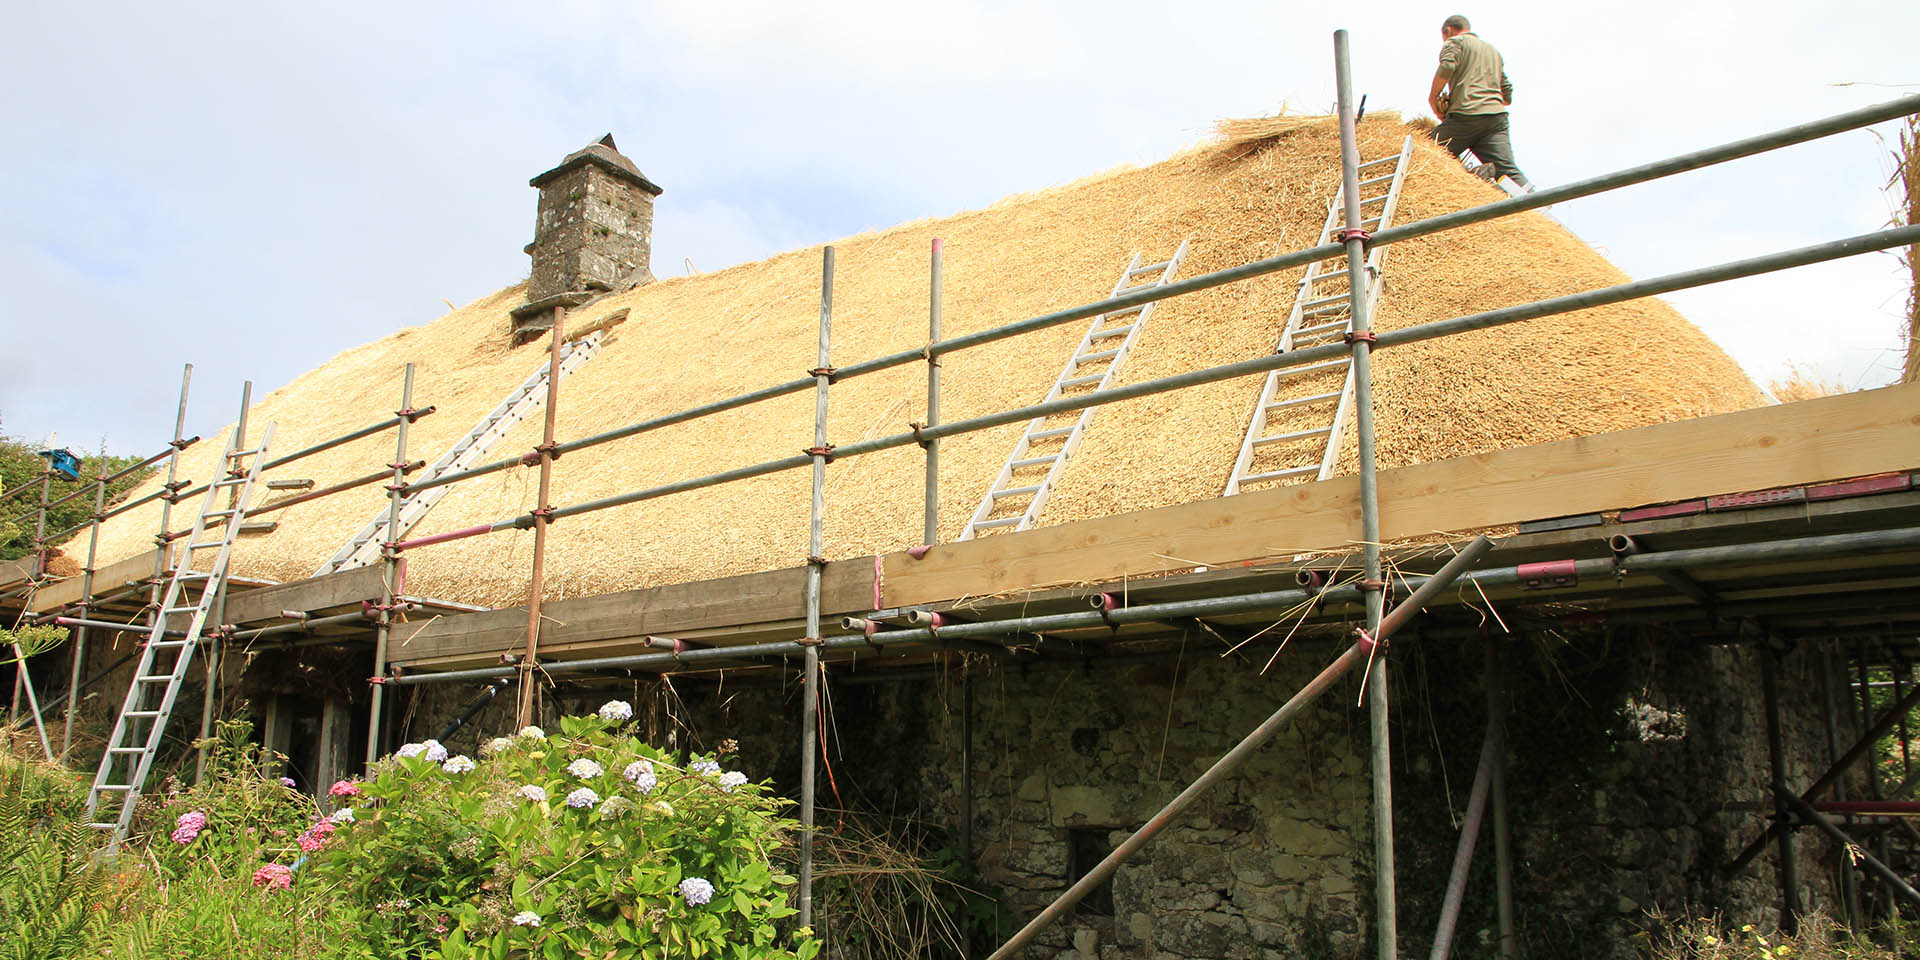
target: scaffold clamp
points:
(820, 451)
(1354, 233)
(1357, 336)
(410, 414)
(828, 372)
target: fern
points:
(54, 896)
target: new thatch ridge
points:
(695, 339)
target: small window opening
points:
(1086, 847)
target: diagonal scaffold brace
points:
(1354, 656)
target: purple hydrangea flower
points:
(582, 799)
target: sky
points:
(253, 188)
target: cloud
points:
(256, 188)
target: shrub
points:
(587, 843)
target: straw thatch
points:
(696, 339)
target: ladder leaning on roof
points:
(1308, 400)
(168, 650)
(364, 547)
(1028, 455)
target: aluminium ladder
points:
(1031, 452)
(365, 546)
(168, 650)
(1307, 403)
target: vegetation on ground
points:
(1819, 938)
(585, 843)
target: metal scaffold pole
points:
(821, 452)
(1361, 338)
(215, 638)
(542, 515)
(171, 490)
(390, 564)
(1497, 704)
(78, 655)
(930, 531)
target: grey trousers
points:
(1484, 134)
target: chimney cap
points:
(604, 154)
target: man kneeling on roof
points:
(1473, 108)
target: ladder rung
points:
(1110, 332)
(1280, 474)
(1296, 435)
(1016, 491)
(1155, 268)
(1340, 307)
(126, 749)
(1374, 180)
(113, 786)
(166, 644)
(1050, 434)
(203, 545)
(1317, 328)
(1312, 367)
(229, 482)
(1297, 401)
(1379, 199)
(1097, 357)
(1082, 381)
(220, 513)
(1375, 163)
(1034, 461)
(1002, 522)
(1339, 298)
(155, 678)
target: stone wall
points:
(1625, 751)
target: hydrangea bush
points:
(584, 843)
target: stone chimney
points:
(593, 236)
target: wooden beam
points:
(306, 596)
(1849, 435)
(668, 610)
(107, 579)
(15, 572)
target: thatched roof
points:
(695, 339)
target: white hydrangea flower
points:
(526, 918)
(640, 772)
(731, 779)
(615, 807)
(696, 891)
(533, 733)
(410, 750)
(434, 752)
(705, 767)
(585, 769)
(616, 710)
(496, 746)
(661, 807)
(534, 792)
(583, 799)
(459, 764)
(342, 815)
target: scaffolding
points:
(883, 631)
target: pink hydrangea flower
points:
(344, 788)
(316, 836)
(273, 876)
(188, 826)
(287, 782)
